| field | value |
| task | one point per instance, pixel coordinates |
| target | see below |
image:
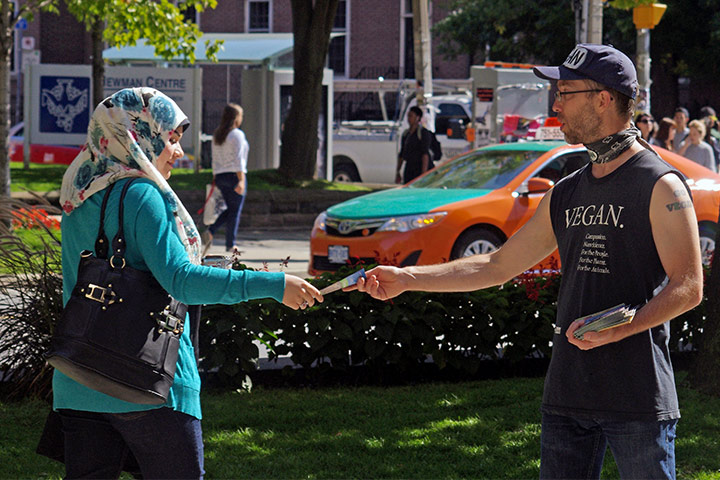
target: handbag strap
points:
(101, 242)
(118, 243)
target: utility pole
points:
(422, 50)
(645, 17)
(594, 21)
(588, 21)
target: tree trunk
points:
(705, 371)
(98, 67)
(312, 25)
(7, 24)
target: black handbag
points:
(119, 332)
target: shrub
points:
(512, 321)
(30, 295)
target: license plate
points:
(338, 254)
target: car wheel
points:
(708, 231)
(345, 172)
(474, 242)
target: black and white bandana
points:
(610, 147)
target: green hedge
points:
(513, 322)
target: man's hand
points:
(240, 188)
(593, 339)
(299, 293)
(383, 283)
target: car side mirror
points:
(539, 185)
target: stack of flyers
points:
(612, 317)
(345, 282)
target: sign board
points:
(549, 133)
(27, 43)
(59, 99)
(30, 57)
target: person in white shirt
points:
(229, 164)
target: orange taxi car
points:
(471, 204)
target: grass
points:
(485, 429)
(45, 178)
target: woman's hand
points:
(299, 293)
(240, 188)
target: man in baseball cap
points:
(601, 63)
(626, 233)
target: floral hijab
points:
(127, 132)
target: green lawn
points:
(484, 429)
(45, 178)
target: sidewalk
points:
(270, 246)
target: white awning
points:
(238, 48)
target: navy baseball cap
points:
(601, 63)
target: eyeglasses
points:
(559, 94)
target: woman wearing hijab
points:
(136, 133)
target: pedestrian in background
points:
(665, 134)
(696, 149)
(646, 124)
(681, 117)
(229, 164)
(708, 116)
(414, 148)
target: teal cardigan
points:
(152, 245)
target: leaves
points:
(161, 24)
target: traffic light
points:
(647, 16)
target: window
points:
(445, 112)
(338, 50)
(258, 16)
(563, 166)
(407, 49)
(190, 14)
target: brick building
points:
(377, 42)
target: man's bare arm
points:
(674, 228)
(530, 245)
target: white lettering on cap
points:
(576, 58)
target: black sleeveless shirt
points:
(608, 257)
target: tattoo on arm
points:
(680, 193)
(678, 205)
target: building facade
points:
(375, 39)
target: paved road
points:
(271, 246)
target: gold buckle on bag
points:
(99, 293)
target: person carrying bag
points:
(136, 133)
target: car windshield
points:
(484, 169)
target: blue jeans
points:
(230, 217)
(165, 443)
(574, 448)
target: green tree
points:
(312, 25)
(9, 18)
(124, 22)
(540, 31)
